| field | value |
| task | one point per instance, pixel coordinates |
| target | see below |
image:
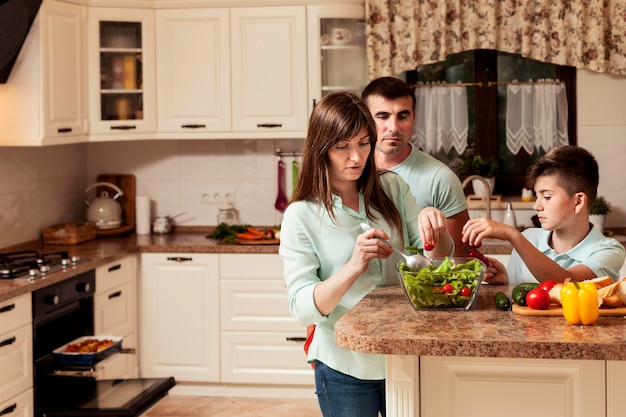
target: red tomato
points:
(547, 285)
(465, 292)
(447, 288)
(538, 299)
(429, 246)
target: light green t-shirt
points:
(432, 182)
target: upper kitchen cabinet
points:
(193, 64)
(269, 71)
(337, 54)
(43, 101)
(122, 99)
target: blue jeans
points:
(342, 395)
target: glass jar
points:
(227, 214)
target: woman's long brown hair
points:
(337, 117)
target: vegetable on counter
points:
(580, 302)
(232, 233)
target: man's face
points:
(394, 122)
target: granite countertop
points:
(385, 323)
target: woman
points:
(330, 263)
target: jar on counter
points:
(227, 213)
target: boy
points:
(565, 182)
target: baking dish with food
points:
(87, 350)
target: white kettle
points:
(105, 211)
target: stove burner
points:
(31, 264)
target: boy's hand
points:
(475, 230)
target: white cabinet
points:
(337, 54)
(115, 313)
(615, 388)
(261, 342)
(179, 316)
(44, 100)
(193, 83)
(16, 356)
(269, 71)
(122, 99)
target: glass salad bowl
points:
(448, 284)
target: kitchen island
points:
(487, 362)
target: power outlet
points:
(217, 197)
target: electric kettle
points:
(105, 211)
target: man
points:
(392, 104)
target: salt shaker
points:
(509, 216)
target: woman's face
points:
(347, 158)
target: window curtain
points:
(536, 116)
(404, 34)
(441, 118)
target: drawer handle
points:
(7, 308)
(7, 342)
(296, 339)
(64, 130)
(193, 126)
(8, 410)
(179, 259)
(115, 267)
(115, 294)
(124, 127)
(269, 125)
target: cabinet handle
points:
(193, 126)
(7, 342)
(115, 267)
(8, 410)
(124, 127)
(296, 339)
(179, 259)
(269, 125)
(115, 294)
(7, 308)
(64, 130)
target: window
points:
(487, 105)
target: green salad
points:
(445, 285)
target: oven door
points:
(107, 398)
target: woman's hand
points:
(367, 247)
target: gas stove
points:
(29, 265)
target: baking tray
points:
(86, 359)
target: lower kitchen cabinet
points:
(261, 342)
(179, 316)
(16, 357)
(115, 313)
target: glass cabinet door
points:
(121, 86)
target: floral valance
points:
(403, 34)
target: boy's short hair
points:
(575, 169)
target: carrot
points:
(249, 236)
(257, 232)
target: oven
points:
(62, 313)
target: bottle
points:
(509, 216)
(227, 213)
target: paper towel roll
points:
(142, 215)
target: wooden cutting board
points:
(556, 311)
(127, 184)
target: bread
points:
(555, 293)
(614, 300)
(601, 282)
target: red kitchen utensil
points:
(281, 198)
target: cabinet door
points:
(337, 54)
(114, 311)
(122, 99)
(269, 82)
(193, 86)
(16, 362)
(19, 406)
(64, 109)
(615, 388)
(179, 317)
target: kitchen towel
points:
(142, 217)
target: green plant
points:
(600, 206)
(487, 167)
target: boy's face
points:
(554, 206)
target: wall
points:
(44, 186)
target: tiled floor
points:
(189, 406)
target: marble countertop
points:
(385, 323)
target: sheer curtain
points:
(441, 118)
(536, 116)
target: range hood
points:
(16, 18)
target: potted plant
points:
(598, 211)
(486, 167)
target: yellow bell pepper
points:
(580, 302)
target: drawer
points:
(115, 273)
(252, 265)
(15, 313)
(19, 406)
(16, 362)
(115, 310)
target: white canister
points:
(142, 215)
